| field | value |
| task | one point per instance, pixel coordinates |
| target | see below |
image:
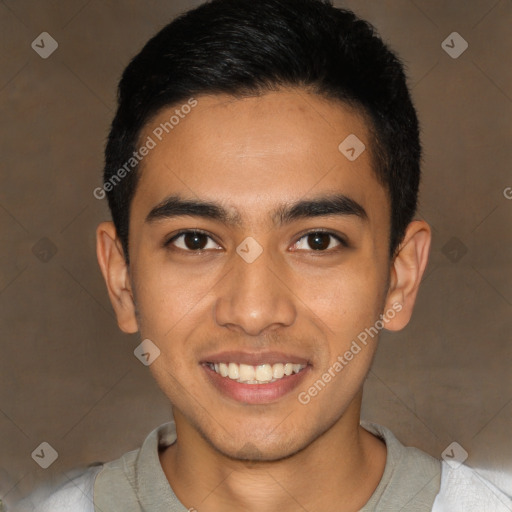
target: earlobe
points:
(115, 272)
(407, 270)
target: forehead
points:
(257, 151)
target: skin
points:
(253, 155)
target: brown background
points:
(69, 376)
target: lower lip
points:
(255, 393)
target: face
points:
(288, 264)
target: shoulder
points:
(411, 477)
(126, 484)
(409, 461)
(462, 488)
(443, 488)
(112, 482)
(76, 495)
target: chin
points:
(262, 446)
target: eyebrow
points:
(326, 205)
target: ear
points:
(406, 272)
(115, 272)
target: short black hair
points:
(247, 48)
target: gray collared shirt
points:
(136, 481)
(412, 482)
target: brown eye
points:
(319, 241)
(192, 241)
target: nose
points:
(254, 298)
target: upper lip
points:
(253, 358)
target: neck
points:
(346, 460)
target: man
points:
(262, 172)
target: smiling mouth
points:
(259, 374)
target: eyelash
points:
(169, 242)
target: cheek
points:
(167, 295)
(346, 308)
(345, 299)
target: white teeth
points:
(261, 374)
(233, 371)
(223, 367)
(278, 370)
(264, 373)
(246, 372)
